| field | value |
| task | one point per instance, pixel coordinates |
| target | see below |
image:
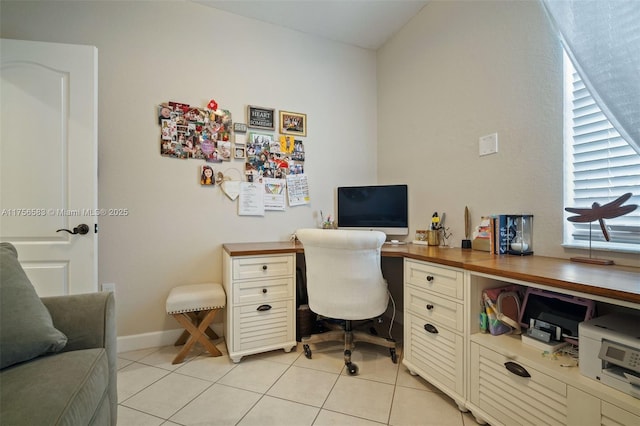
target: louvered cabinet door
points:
(513, 392)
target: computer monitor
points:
(374, 207)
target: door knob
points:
(80, 229)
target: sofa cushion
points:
(61, 389)
(26, 328)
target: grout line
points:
(150, 384)
(145, 413)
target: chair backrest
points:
(344, 279)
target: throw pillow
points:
(26, 328)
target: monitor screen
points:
(375, 207)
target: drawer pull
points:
(429, 307)
(431, 328)
(264, 290)
(429, 278)
(516, 369)
(264, 267)
(263, 308)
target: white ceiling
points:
(363, 23)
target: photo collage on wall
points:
(273, 158)
(189, 132)
(209, 134)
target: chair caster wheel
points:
(307, 351)
(394, 355)
(352, 368)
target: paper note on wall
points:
(298, 190)
(251, 201)
(274, 190)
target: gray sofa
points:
(57, 354)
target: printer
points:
(610, 351)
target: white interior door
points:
(48, 162)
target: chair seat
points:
(196, 297)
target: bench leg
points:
(196, 318)
(196, 334)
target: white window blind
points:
(600, 166)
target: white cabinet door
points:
(513, 396)
(48, 161)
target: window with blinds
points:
(600, 166)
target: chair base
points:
(349, 336)
(196, 325)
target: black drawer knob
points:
(264, 267)
(429, 307)
(264, 290)
(429, 278)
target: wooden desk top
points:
(256, 249)
(615, 282)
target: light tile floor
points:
(277, 388)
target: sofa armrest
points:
(89, 321)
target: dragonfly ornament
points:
(600, 213)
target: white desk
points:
(452, 280)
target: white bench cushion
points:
(196, 297)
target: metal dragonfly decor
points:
(600, 213)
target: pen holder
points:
(433, 237)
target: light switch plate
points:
(488, 144)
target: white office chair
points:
(345, 282)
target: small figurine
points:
(599, 213)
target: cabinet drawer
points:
(255, 328)
(262, 291)
(437, 355)
(433, 308)
(448, 282)
(511, 399)
(249, 267)
(612, 415)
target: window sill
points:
(608, 247)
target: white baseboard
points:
(155, 339)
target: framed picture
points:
(240, 127)
(206, 175)
(240, 151)
(261, 118)
(293, 123)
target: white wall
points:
(460, 70)
(152, 52)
